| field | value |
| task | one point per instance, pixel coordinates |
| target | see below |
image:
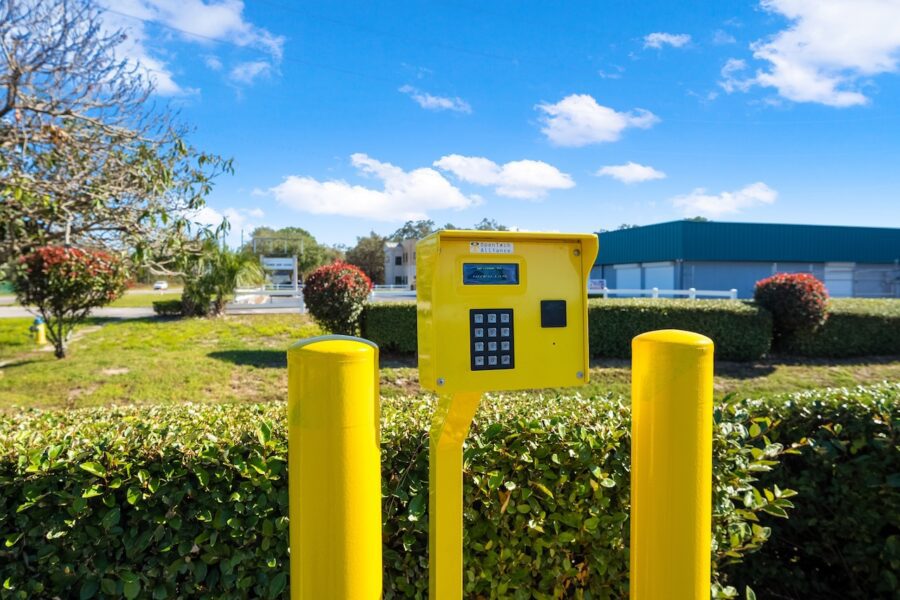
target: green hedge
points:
(168, 308)
(855, 327)
(391, 325)
(191, 501)
(740, 330)
(842, 540)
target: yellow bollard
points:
(335, 469)
(671, 465)
(449, 429)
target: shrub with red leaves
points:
(798, 302)
(335, 295)
(64, 284)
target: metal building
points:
(679, 255)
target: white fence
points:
(381, 292)
(390, 288)
(691, 293)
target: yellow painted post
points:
(449, 429)
(334, 469)
(671, 465)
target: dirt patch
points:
(77, 335)
(78, 392)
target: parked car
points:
(161, 285)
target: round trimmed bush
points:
(335, 295)
(65, 283)
(798, 302)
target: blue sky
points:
(344, 117)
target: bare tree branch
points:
(81, 149)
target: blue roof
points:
(735, 242)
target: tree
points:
(65, 284)
(335, 295)
(368, 255)
(698, 219)
(292, 241)
(490, 225)
(84, 158)
(211, 276)
(412, 230)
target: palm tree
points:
(212, 276)
(230, 270)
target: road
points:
(9, 312)
(9, 309)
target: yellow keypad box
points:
(502, 310)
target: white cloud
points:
(829, 47)
(238, 219)
(212, 61)
(699, 202)
(247, 72)
(631, 172)
(515, 179)
(578, 120)
(406, 195)
(429, 102)
(730, 79)
(195, 21)
(722, 38)
(659, 39)
(614, 73)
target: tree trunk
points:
(57, 336)
(218, 306)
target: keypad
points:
(491, 339)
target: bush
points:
(391, 325)
(797, 302)
(855, 327)
(65, 284)
(843, 539)
(335, 295)
(196, 298)
(167, 308)
(740, 330)
(191, 501)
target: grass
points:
(237, 358)
(15, 338)
(144, 299)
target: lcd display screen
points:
(490, 274)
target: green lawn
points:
(144, 299)
(242, 358)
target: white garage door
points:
(660, 276)
(839, 279)
(628, 278)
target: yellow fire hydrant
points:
(38, 331)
